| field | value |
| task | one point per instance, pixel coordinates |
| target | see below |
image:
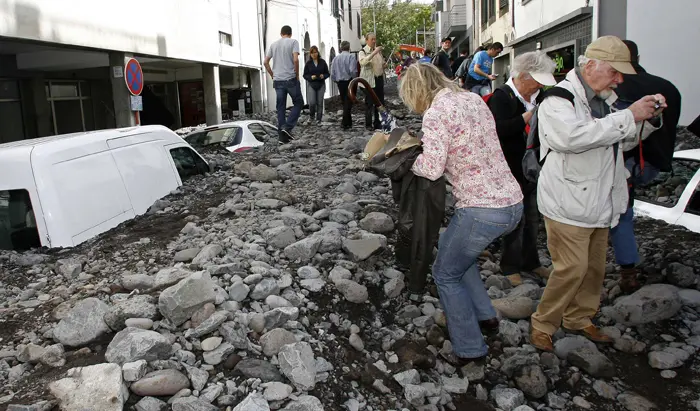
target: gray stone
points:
(151, 404)
(97, 387)
(187, 255)
(407, 377)
(265, 288)
(629, 345)
(178, 302)
(208, 253)
(252, 368)
(414, 394)
(313, 284)
(279, 317)
(235, 334)
(134, 371)
(346, 187)
(263, 173)
(634, 402)
(238, 291)
(304, 403)
(28, 260)
(510, 332)
(277, 391)
(138, 282)
(556, 401)
(280, 237)
(274, 340)
(393, 287)
(681, 275)
(53, 356)
(513, 363)
(253, 402)
(652, 303)
(563, 346)
(508, 399)
(604, 389)
(143, 323)
(366, 177)
(137, 306)
(170, 276)
(473, 372)
(455, 385)
(297, 363)
(133, 344)
(690, 298)
(375, 222)
(160, 383)
(83, 324)
(192, 404)
(339, 273)
(352, 291)
(662, 360)
(362, 249)
(209, 325)
(356, 342)
(211, 393)
(531, 380)
(219, 354)
(516, 308)
(197, 376)
(592, 361)
(341, 216)
(69, 268)
(303, 250)
(270, 204)
(29, 353)
(211, 343)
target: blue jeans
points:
(481, 90)
(622, 235)
(462, 293)
(293, 89)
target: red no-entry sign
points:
(133, 77)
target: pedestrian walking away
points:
(643, 162)
(315, 74)
(459, 60)
(489, 200)
(479, 75)
(284, 54)
(372, 70)
(442, 58)
(344, 69)
(512, 106)
(582, 187)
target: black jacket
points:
(310, 69)
(659, 146)
(442, 61)
(508, 112)
(421, 211)
(458, 62)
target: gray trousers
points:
(315, 99)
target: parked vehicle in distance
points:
(236, 136)
(674, 197)
(62, 190)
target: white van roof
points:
(16, 156)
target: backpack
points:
(506, 89)
(532, 165)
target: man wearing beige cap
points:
(582, 188)
(513, 105)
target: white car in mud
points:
(236, 136)
(674, 197)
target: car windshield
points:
(18, 229)
(207, 138)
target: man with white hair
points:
(513, 105)
(582, 187)
(372, 67)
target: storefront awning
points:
(583, 11)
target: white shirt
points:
(529, 105)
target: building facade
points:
(321, 23)
(494, 21)
(455, 19)
(62, 66)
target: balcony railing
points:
(454, 20)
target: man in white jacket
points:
(582, 188)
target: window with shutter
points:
(492, 10)
(484, 11)
(503, 6)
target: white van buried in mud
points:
(60, 191)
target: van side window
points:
(188, 163)
(18, 229)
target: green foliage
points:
(396, 22)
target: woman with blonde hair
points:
(460, 142)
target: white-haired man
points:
(582, 188)
(512, 106)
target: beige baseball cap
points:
(612, 50)
(544, 78)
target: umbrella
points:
(388, 121)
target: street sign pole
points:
(133, 77)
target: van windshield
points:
(18, 229)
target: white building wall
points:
(672, 21)
(538, 13)
(166, 28)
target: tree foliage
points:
(396, 23)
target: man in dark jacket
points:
(644, 162)
(442, 59)
(459, 60)
(512, 106)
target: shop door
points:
(192, 104)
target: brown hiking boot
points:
(541, 341)
(628, 280)
(593, 333)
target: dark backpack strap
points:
(559, 92)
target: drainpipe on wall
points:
(318, 25)
(596, 17)
(262, 44)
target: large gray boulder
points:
(97, 387)
(137, 306)
(160, 383)
(133, 344)
(297, 363)
(179, 302)
(83, 324)
(652, 303)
